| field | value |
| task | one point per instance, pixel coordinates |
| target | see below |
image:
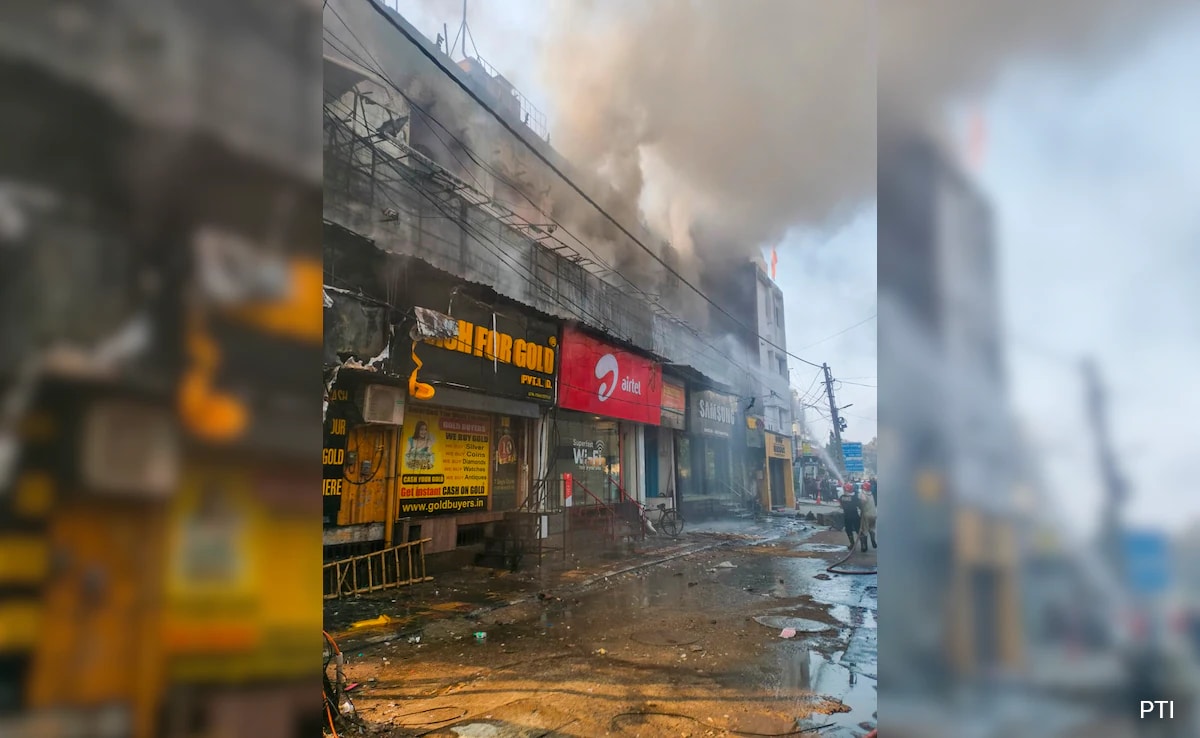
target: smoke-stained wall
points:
(375, 189)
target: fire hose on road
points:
(836, 568)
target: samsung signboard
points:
(713, 414)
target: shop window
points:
(589, 449)
(683, 466)
(506, 455)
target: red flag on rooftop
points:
(774, 261)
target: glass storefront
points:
(588, 447)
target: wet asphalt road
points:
(690, 647)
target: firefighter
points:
(868, 515)
(850, 507)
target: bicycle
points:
(669, 520)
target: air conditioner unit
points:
(383, 404)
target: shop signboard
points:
(1147, 561)
(852, 454)
(444, 461)
(339, 409)
(674, 405)
(601, 379)
(713, 414)
(501, 353)
(779, 447)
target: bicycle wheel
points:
(671, 523)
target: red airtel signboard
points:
(600, 379)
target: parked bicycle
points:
(668, 521)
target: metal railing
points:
(586, 515)
(393, 567)
(746, 497)
(531, 116)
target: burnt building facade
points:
(441, 195)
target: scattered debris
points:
(726, 565)
(480, 635)
(787, 633)
(823, 577)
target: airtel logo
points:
(607, 367)
(607, 370)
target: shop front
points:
(439, 437)
(610, 401)
(780, 487)
(662, 444)
(706, 458)
(478, 391)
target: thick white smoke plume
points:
(742, 117)
(752, 117)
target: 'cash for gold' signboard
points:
(445, 461)
(506, 355)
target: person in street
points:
(867, 513)
(875, 491)
(850, 511)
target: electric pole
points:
(1115, 488)
(838, 423)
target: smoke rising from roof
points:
(748, 118)
(743, 118)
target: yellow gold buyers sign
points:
(445, 461)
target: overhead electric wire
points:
(570, 182)
(864, 321)
(804, 398)
(376, 67)
(473, 233)
(471, 230)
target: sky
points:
(827, 276)
(1094, 177)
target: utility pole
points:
(1115, 489)
(837, 421)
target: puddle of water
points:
(800, 625)
(859, 617)
(476, 730)
(820, 676)
(821, 548)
